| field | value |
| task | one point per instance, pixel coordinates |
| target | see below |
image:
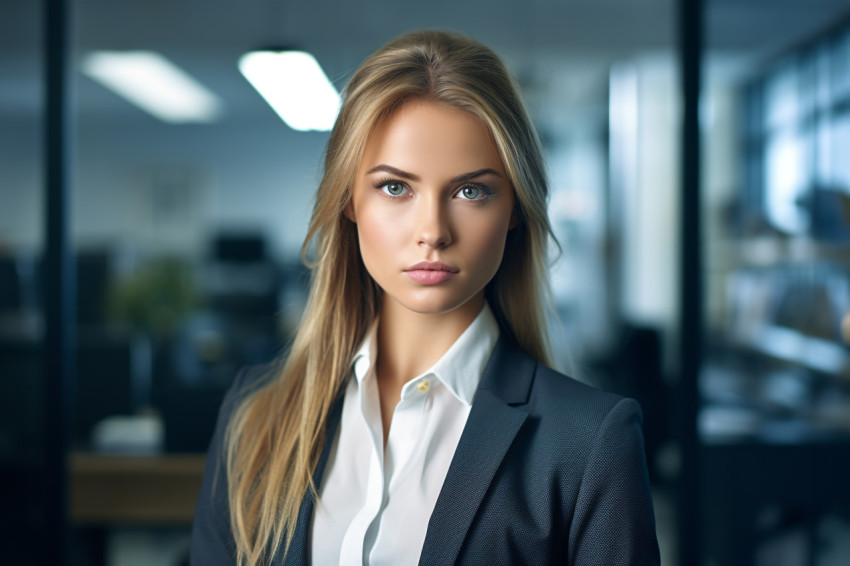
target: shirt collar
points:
(459, 369)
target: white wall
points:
(158, 187)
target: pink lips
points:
(430, 272)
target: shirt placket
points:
(354, 548)
(403, 444)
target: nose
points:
(433, 223)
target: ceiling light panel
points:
(294, 85)
(154, 84)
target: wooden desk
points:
(147, 490)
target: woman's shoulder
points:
(520, 379)
(568, 404)
(553, 387)
(558, 404)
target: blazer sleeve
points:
(212, 540)
(613, 521)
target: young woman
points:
(414, 419)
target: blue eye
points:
(473, 192)
(393, 189)
(470, 192)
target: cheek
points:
(488, 241)
(378, 233)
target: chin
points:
(434, 301)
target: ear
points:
(514, 219)
(348, 211)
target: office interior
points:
(185, 238)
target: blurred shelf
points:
(772, 250)
(785, 344)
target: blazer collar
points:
(497, 414)
(509, 373)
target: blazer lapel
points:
(298, 551)
(497, 414)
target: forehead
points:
(424, 134)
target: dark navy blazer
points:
(547, 471)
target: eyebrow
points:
(415, 178)
(395, 171)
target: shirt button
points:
(423, 385)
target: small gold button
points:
(423, 385)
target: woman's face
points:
(433, 207)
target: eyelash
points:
(486, 190)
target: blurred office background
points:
(185, 234)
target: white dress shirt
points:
(375, 502)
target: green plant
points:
(156, 296)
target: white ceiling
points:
(546, 42)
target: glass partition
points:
(775, 390)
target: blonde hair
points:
(276, 434)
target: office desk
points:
(149, 490)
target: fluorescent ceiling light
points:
(294, 85)
(154, 84)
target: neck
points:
(409, 343)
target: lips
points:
(431, 272)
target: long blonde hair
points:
(276, 434)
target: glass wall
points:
(775, 389)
